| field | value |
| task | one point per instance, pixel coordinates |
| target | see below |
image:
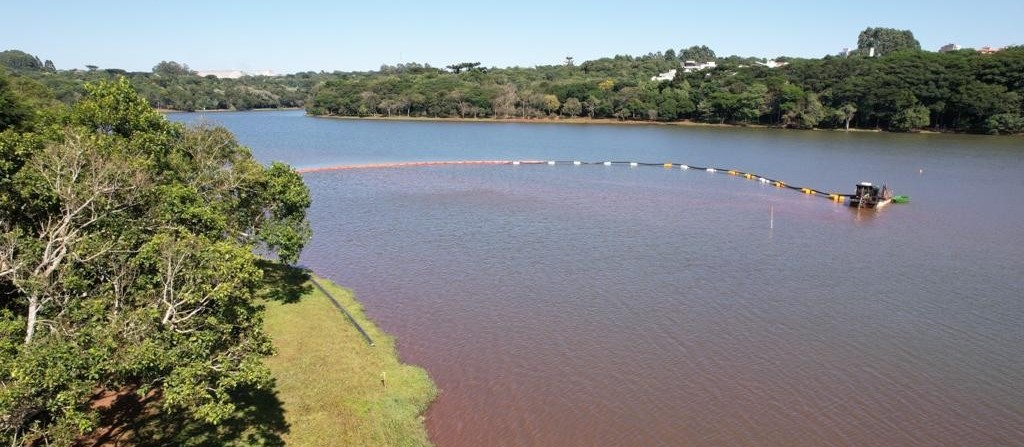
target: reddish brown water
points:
(617, 306)
(610, 306)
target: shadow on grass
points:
(126, 418)
(137, 421)
(259, 421)
(284, 283)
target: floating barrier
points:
(410, 164)
(342, 309)
(833, 196)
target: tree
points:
(12, 110)
(718, 107)
(915, 117)
(505, 101)
(171, 69)
(462, 105)
(572, 107)
(387, 105)
(1004, 123)
(800, 109)
(551, 103)
(673, 103)
(698, 54)
(460, 67)
(751, 103)
(17, 60)
(591, 105)
(847, 112)
(126, 263)
(886, 40)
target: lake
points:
(609, 305)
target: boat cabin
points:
(870, 196)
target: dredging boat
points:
(870, 196)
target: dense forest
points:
(169, 85)
(128, 265)
(903, 90)
(887, 83)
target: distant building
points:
(666, 76)
(692, 66)
(845, 52)
(233, 74)
(949, 47)
(688, 67)
(988, 50)
(772, 64)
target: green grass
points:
(328, 379)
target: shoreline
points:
(265, 109)
(330, 382)
(591, 121)
(579, 121)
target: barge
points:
(870, 196)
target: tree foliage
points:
(127, 263)
(16, 60)
(172, 69)
(13, 111)
(698, 54)
(171, 85)
(963, 91)
(886, 40)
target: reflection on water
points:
(621, 306)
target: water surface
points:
(623, 306)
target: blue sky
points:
(290, 36)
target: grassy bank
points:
(328, 378)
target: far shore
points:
(579, 120)
(560, 120)
(264, 109)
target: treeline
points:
(904, 90)
(887, 83)
(169, 85)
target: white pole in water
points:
(771, 220)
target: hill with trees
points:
(887, 83)
(902, 89)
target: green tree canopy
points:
(12, 109)
(171, 69)
(17, 60)
(699, 54)
(886, 40)
(963, 91)
(127, 263)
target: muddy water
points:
(594, 305)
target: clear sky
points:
(291, 36)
